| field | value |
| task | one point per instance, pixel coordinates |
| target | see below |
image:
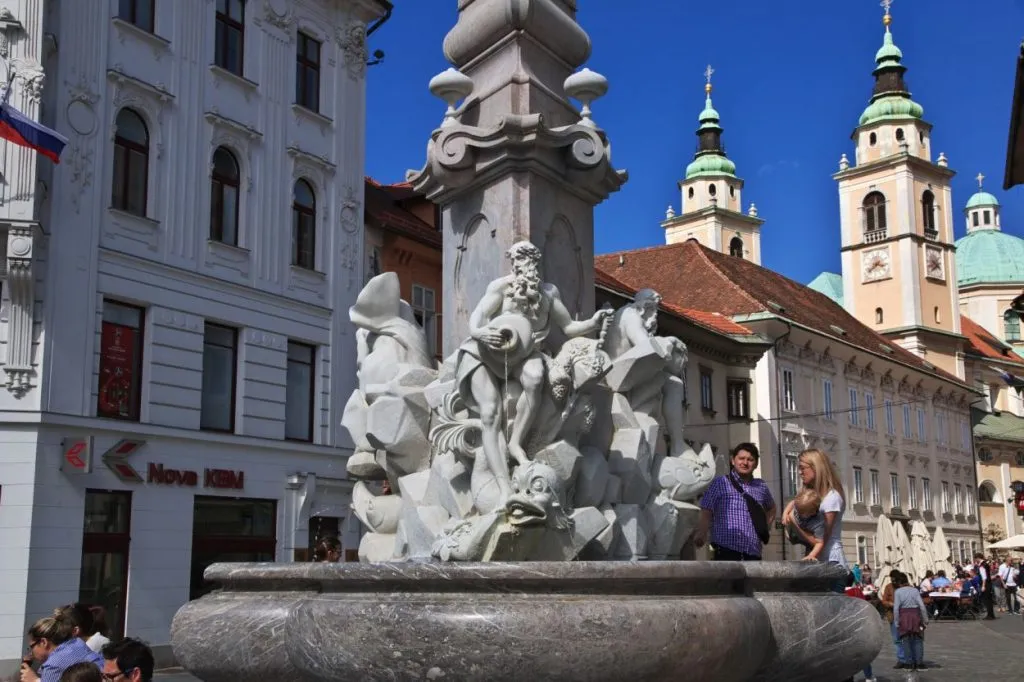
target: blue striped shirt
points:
(66, 655)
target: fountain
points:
(540, 482)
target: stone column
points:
(513, 159)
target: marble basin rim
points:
(591, 621)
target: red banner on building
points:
(117, 371)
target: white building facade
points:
(174, 336)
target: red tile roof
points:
(713, 321)
(982, 343)
(697, 278)
(384, 209)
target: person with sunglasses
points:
(53, 644)
(128, 660)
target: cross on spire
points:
(887, 19)
(980, 179)
(708, 72)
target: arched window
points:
(712, 190)
(304, 226)
(987, 492)
(872, 139)
(736, 247)
(224, 197)
(690, 193)
(938, 315)
(899, 134)
(732, 191)
(928, 210)
(1011, 325)
(131, 163)
(879, 316)
(874, 212)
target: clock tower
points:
(711, 208)
(896, 219)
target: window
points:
(827, 398)
(969, 501)
(689, 194)
(706, 396)
(985, 455)
(958, 498)
(862, 550)
(940, 428)
(307, 73)
(793, 474)
(926, 493)
(118, 391)
(879, 316)
(788, 398)
(1011, 325)
(899, 134)
(911, 492)
(974, 219)
(106, 536)
(945, 497)
(858, 485)
(230, 41)
(986, 217)
(712, 190)
(736, 247)
(869, 410)
(937, 314)
(874, 212)
(974, 549)
(304, 226)
(987, 492)
(137, 12)
(872, 139)
(908, 431)
(373, 264)
(964, 559)
(229, 529)
(920, 425)
(876, 492)
(224, 186)
(894, 489)
(1019, 458)
(424, 308)
(965, 433)
(131, 163)
(219, 365)
(737, 395)
(299, 397)
(890, 423)
(928, 210)
(854, 414)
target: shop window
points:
(106, 537)
(229, 46)
(118, 390)
(229, 530)
(220, 350)
(299, 399)
(307, 73)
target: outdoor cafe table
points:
(945, 604)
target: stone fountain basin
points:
(585, 621)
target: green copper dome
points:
(891, 100)
(888, 52)
(710, 164)
(708, 117)
(891, 107)
(981, 199)
(989, 256)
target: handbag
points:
(756, 511)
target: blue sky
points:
(790, 81)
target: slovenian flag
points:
(1011, 380)
(21, 130)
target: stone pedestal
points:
(587, 621)
(513, 159)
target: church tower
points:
(896, 219)
(710, 209)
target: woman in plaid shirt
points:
(724, 509)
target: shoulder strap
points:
(740, 490)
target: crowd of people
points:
(71, 645)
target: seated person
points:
(972, 586)
(810, 524)
(926, 584)
(940, 581)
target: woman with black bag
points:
(737, 509)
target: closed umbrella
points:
(906, 553)
(884, 550)
(940, 551)
(921, 542)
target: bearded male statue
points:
(508, 330)
(636, 324)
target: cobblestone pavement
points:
(960, 650)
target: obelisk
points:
(513, 158)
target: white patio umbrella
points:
(906, 552)
(921, 542)
(1016, 542)
(884, 549)
(940, 551)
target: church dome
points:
(981, 199)
(989, 256)
(891, 107)
(710, 164)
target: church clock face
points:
(934, 265)
(875, 264)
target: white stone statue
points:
(515, 449)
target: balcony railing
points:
(875, 236)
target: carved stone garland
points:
(21, 244)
